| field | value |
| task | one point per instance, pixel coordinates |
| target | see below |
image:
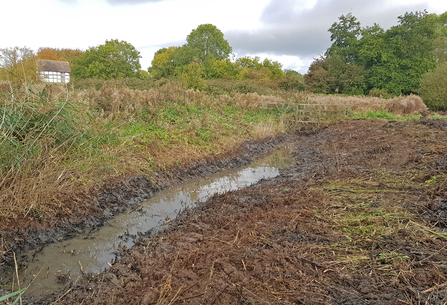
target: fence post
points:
(319, 115)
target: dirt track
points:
(358, 219)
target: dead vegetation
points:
(360, 219)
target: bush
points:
(433, 88)
(229, 87)
(131, 83)
(378, 92)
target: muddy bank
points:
(115, 197)
(357, 220)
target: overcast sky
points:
(292, 32)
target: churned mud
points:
(95, 249)
(360, 218)
(26, 240)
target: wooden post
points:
(319, 115)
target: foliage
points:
(163, 63)
(48, 54)
(219, 69)
(131, 83)
(19, 66)
(230, 87)
(114, 59)
(192, 77)
(51, 145)
(207, 43)
(70, 55)
(433, 89)
(331, 74)
(409, 54)
(384, 115)
(392, 60)
(292, 80)
(344, 35)
(379, 93)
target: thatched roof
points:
(54, 65)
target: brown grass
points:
(57, 182)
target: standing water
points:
(92, 252)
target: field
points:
(359, 218)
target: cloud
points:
(300, 28)
(130, 2)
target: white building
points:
(53, 71)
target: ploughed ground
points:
(359, 219)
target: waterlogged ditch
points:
(52, 266)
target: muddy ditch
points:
(355, 220)
(116, 197)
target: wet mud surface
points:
(96, 249)
(359, 218)
(114, 198)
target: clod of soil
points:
(353, 222)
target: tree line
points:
(206, 55)
(410, 57)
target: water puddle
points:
(94, 250)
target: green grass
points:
(437, 116)
(384, 115)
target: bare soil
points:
(88, 209)
(359, 219)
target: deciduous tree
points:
(163, 63)
(19, 65)
(114, 59)
(344, 36)
(48, 54)
(208, 43)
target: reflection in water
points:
(96, 248)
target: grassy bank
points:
(57, 144)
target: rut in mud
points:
(359, 219)
(97, 248)
(113, 198)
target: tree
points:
(182, 57)
(19, 66)
(163, 63)
(208, 43)
(440, 43)
(219, 69)
(48, 54)
(292, 80)
(114, 59)
(274, 67)
(344, 35)
(249, 62)
(330, 74)
(406, 54)
(70, 55)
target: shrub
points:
(131, 83)
(379, 93)
(192, 77)
(433, 88)
(230, 87)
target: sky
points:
(292, 32)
